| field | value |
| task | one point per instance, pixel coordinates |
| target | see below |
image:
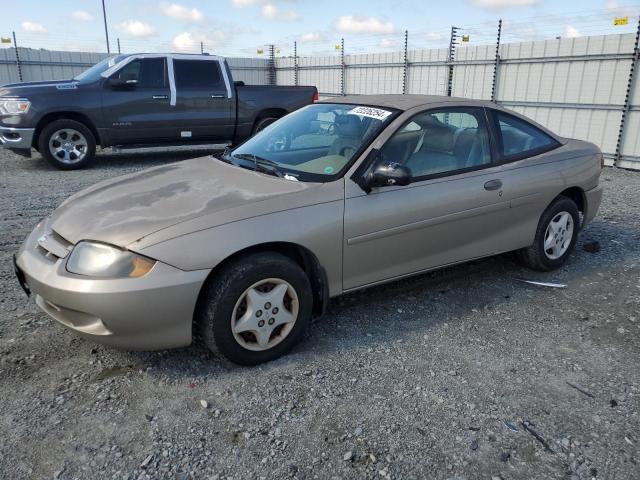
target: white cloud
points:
(136, 28)
(180, 12)
(311, 37)
(190, 42)
(389, 43)
(496, 4)
(82, 16)
(433, 36)
(351, 24)
(271, 12)
(32, 27)
(244, 3)
(612, 5)
(571, 32)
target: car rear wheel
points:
(556, 236)
(67, 144)
(255, 309)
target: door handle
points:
(160, 97)
(218, 95)
(493, 185)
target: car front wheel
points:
(556, 236)
(255, 309)
(67, 144)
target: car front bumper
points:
(147, 313)
(16, 138)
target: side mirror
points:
(239, 83)
(385, 174)
(119, 83)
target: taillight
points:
(316, 97)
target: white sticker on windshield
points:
(371, 112)
(111, 62)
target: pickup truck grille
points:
(53, 246)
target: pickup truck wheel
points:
(263, 123)
(255, 309)
(555, 238)
(67, 144)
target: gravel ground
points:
(463, 373)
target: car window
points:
(198, 74)
(440, 141)
(317, 142)
(149, 72)
(519, 137)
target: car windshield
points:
(316, 143)
(92, 74)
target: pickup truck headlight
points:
(14, 106)
(95, 259)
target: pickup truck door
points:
(204, 99)
(138, 109)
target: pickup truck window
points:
(197, 74)
(149, 72)
(317, 143)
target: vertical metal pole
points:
(295, 63)
(15, 46)
(452, 56)
(627, 98)
(342, 67)
(119, 52)
(106, 31)
(272, 64)
(201, 48)
(496, 63)
(406, 62)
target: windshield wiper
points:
(263, 164)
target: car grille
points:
(53, 246)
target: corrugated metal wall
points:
(574, 86)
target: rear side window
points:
(520, 139)
(149, 72)
(198, 74)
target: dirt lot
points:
(464, 373)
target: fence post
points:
(15, 46)
(272, 64)
(627, 98)
(295, 63)
(452, 56)
(342, 67)
(406, 62)
(118, 41)
(496, 63)
(201, 48)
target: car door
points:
(452, 211)
(204, 100)
(135, 102)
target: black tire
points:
(535, 257)
(49, 130)
(263, 123)
(221, 292)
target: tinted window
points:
(200, 74)
(149, 72)
(520, 137)
(440, 141)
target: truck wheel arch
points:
(267, 113)
(53, 116)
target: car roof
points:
(404, 101)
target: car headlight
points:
(101, 260)
(14, 106)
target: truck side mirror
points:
(122, 84)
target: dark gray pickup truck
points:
(139, 100)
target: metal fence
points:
(585, 87)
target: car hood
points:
(123, 210)
(26, 88)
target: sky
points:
(245, 27)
